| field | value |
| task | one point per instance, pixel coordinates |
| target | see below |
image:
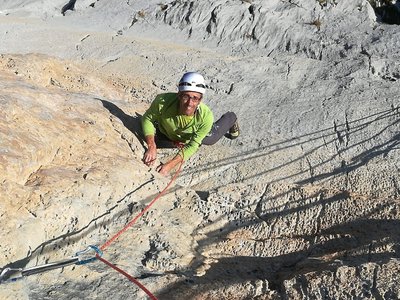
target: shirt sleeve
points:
(150, 117)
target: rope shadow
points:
(359, 160)
(366, 155)
(338, 130)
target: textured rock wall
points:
(305, 204)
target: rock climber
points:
(182, 120)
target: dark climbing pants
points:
(220, 128)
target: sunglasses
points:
(186, 97)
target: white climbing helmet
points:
(192, 82)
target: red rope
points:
(108, 243)
(127, 276)
(133, 221)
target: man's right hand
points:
(150, 156)
(151, 153)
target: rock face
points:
(304, 205)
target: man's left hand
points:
(164, 169)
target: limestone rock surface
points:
(303, 205)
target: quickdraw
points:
(80, 258)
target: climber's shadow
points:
(130, 122)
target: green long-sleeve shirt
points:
(190, 130)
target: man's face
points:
(188, 102)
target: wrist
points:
(151, 146)
(150, 141)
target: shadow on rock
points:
(351, 244)
(133, 124)
(338, 137)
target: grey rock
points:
(303, 205)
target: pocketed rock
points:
(304, 204)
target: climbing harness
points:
(80, 258)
